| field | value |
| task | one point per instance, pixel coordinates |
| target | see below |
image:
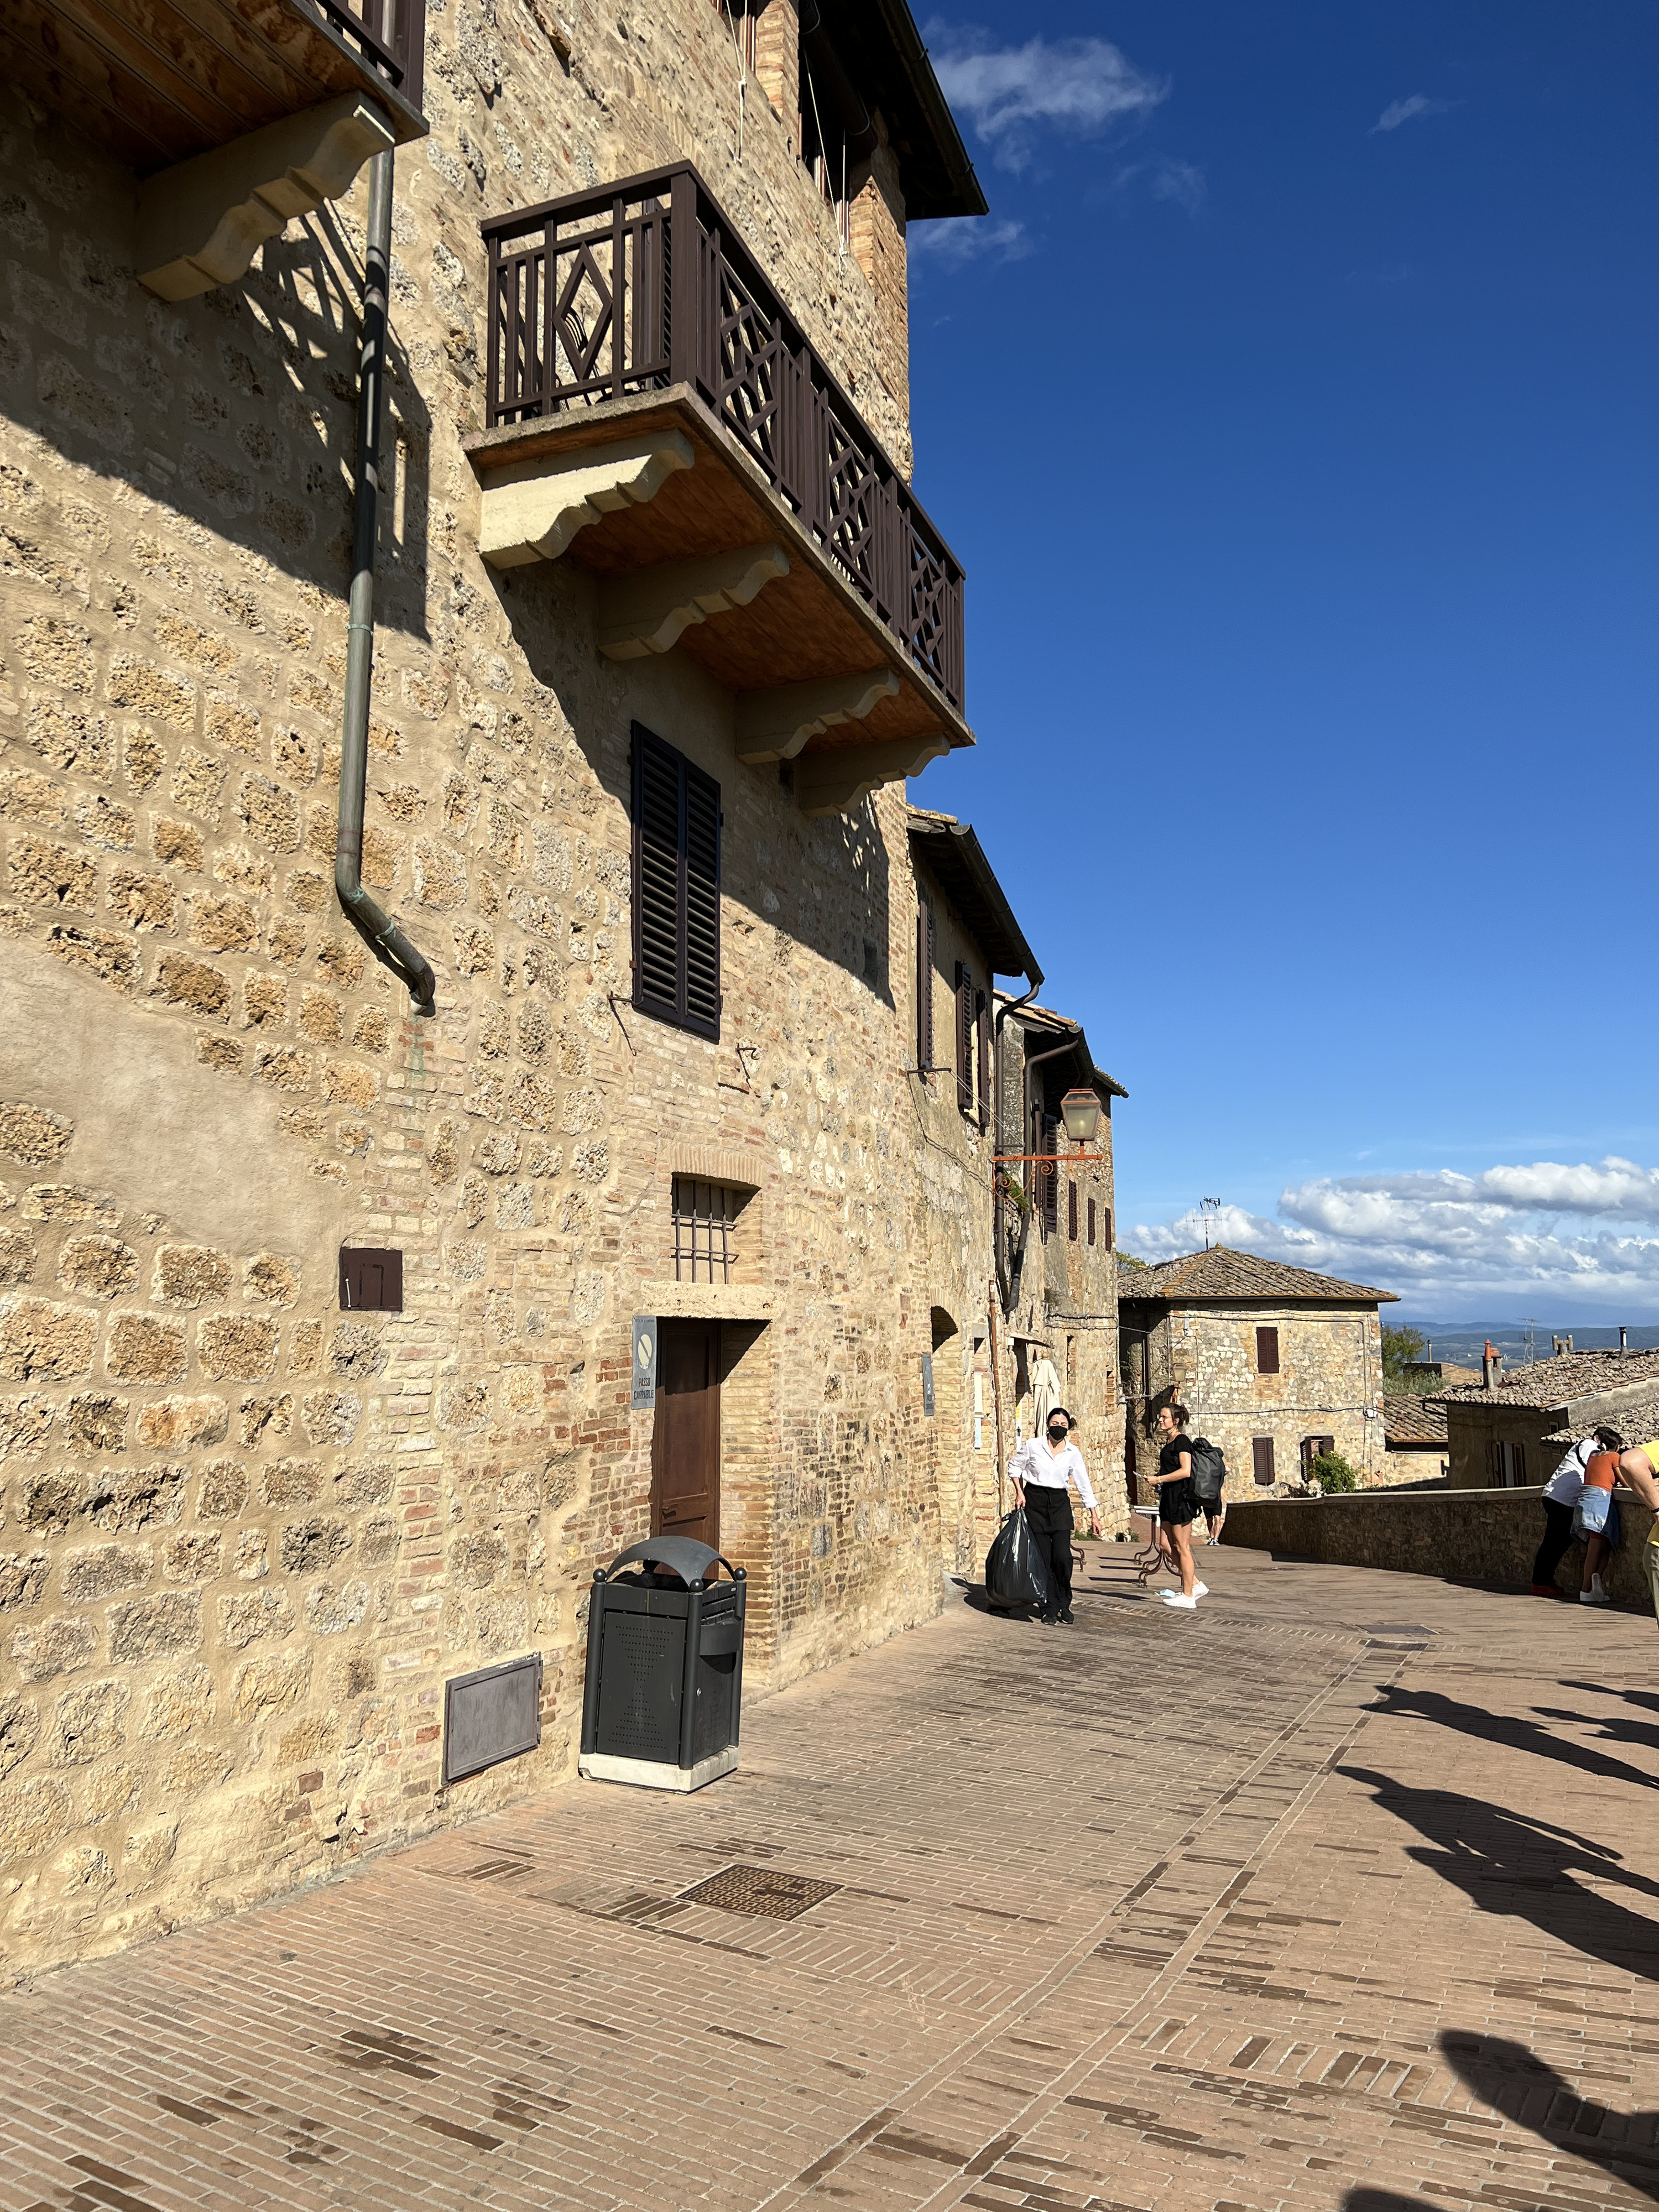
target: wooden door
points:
(685, 1443)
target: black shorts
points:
(1212, 1508)
(1177, 1507)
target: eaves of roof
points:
(954, 857)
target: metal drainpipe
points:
(366, 915)
(998, 1019)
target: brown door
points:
(685, 1443)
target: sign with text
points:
(928, 1385)
(644, 1397)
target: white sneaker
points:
(1174, 1597)
(1595, 1594)
(1200, 1590)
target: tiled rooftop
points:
(1408, 1420)
(1223, 1274)
(1558, 1382)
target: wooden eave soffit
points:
(536, 509)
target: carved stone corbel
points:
(201, 222)
(775, 724)
(831, 782)
(648, 611)
(532, 510)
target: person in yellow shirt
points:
(1638, 1470)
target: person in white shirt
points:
(1042, 1472)
(1560, 1496)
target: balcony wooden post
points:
(680, 264)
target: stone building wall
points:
(1330, 1372)
(245, 1538)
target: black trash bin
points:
(664, 1667)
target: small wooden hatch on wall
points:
(371, 1280)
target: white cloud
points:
(965, 238)
(1587, 1232)
(1015, 94)
(1407, 111)
(1179, 182)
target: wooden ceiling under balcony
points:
(158, 82)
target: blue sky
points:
(1294, 414)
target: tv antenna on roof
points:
(1529, 1322)
(1209, 1207)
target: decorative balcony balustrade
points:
(604, 296)
(390, 36)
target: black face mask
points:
(1058, 1436)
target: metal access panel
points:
(371, 1279)
(493, 1715)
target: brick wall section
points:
(244, 1538)
(1477, 1536)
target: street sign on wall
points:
(644, 1397)
(928, 1385)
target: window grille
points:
(704, 1215)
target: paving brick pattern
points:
(1335, 1894)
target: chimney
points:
(1489, 1369)
(1624, 1342)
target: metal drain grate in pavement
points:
(765, 1892)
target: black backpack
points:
(1209, 1471)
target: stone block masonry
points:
(245, 1537)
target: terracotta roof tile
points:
(1412, 1420)
(1558, 1382)
(1223, 1274)
(1636, 1423)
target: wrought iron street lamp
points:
(1080, 1111)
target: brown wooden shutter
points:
(982, 1016)
(1048, 1172)
(676, 888)
(1070, 1211)
(1107, 1212)
(924, 990)
(1266, 1351)
(1091, 1221)
(1261, 1459)
(964, 1040)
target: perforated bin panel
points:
(641, 1664)
(490, 1716)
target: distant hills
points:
(1462, 1343)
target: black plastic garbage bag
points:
(1015, 1573)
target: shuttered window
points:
(924, 990)
(1107, 1210)
(1266, 1351)
(1261, 1459)
(1091, 1221)
(1070, 1211)
(676, 888)
(965, 1039)
(982, 1016)
(1048, 1172)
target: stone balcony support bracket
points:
(778, 724)
(650, 609)
(831, 782)
(201, 222)
(531, 510)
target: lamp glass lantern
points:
(1080, 1111)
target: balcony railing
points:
(602, 295)
(388, 35)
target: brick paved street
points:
(1341, 1893)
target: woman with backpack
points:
(1177, 1507)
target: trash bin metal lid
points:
(688, 1558)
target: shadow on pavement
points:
(1509, 1730)
(1508, 1864)
(1509, 2078)
(1385, 2200)
(1614, 1729)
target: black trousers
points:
(1558, 1534)
(1048, 1517)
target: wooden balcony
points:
(237, 114)
(653, 408)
